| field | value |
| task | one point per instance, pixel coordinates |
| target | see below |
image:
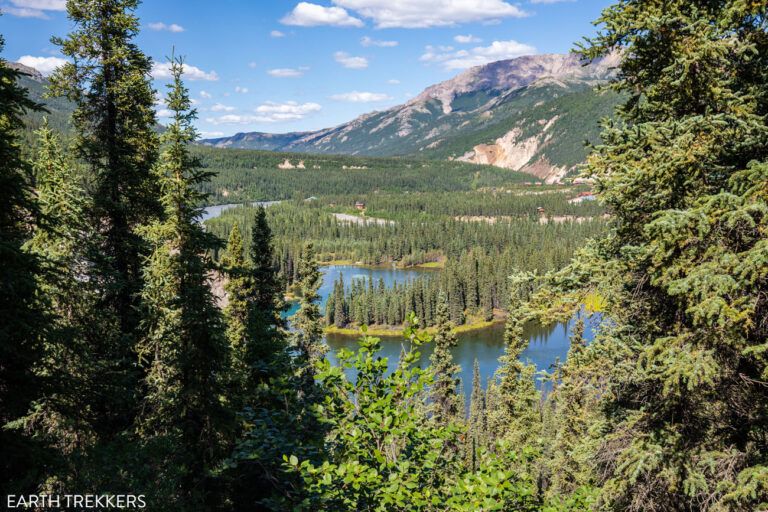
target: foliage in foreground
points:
(384, 451)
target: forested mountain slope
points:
(57, 110)
(531, 114)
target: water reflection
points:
(547, 343)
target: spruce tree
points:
(478, 420)
(684, 172)
(108, 79)
(263, 391)
(238, 287)
(339, 313)
(515, 414)
(574, 415)
(21, 318)
(307, 322)
(59, 243)
(446, 406)
(184, 415)
(266, 352)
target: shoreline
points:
(397, 331)
(428, 265)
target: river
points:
(210, 212)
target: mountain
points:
(58, 111)
(531, 114)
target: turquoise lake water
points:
(547, 344)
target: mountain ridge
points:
(514, 113)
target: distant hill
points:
(531, 114)
(58, 110)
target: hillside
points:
(57, 110)
(531, 114)
(254, 175)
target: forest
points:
(122, 372)
(248, 175)
(476, 256)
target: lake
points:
(547, 344)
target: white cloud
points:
(163, 71)
(34, 8)
(219, 107)
(550, 1)
(367, 41)
(43, 5)
(241, 90)
(206, 95)
(361, 97)
(349, 61)
(164, 113)
(393, 81)
(211, 135)
(253, 65)
(306, 14)
(276, 33)
(469, 38)
(430, 13)
(45, 65)
(287, 111)
(173, 27)
(269, 112)
(286, 72)
(498, 50)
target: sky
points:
(285, 65)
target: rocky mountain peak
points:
(27, 70)
(512, 74)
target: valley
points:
(531, 114)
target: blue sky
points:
(283, 65)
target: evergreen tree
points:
(266, 352)
(515, 414)
(21, 318)
(339, 313)
(477, 430)
(183, 413)
(574, 414)
(59, 242)
(446, 405)
(239, 287)
(264, 396)
(308, 334)
(108, 79)
(684, 172)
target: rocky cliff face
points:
(508, 75)
(530, 114)
(32, 72)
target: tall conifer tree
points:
(185, 347)
(685, 173)
(21, 318)
(446, 404)
(515, 416)
(239, 288)
(477, 430)
(308, 334)
(108, 80)
(59, 242)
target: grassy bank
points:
(472, 324)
